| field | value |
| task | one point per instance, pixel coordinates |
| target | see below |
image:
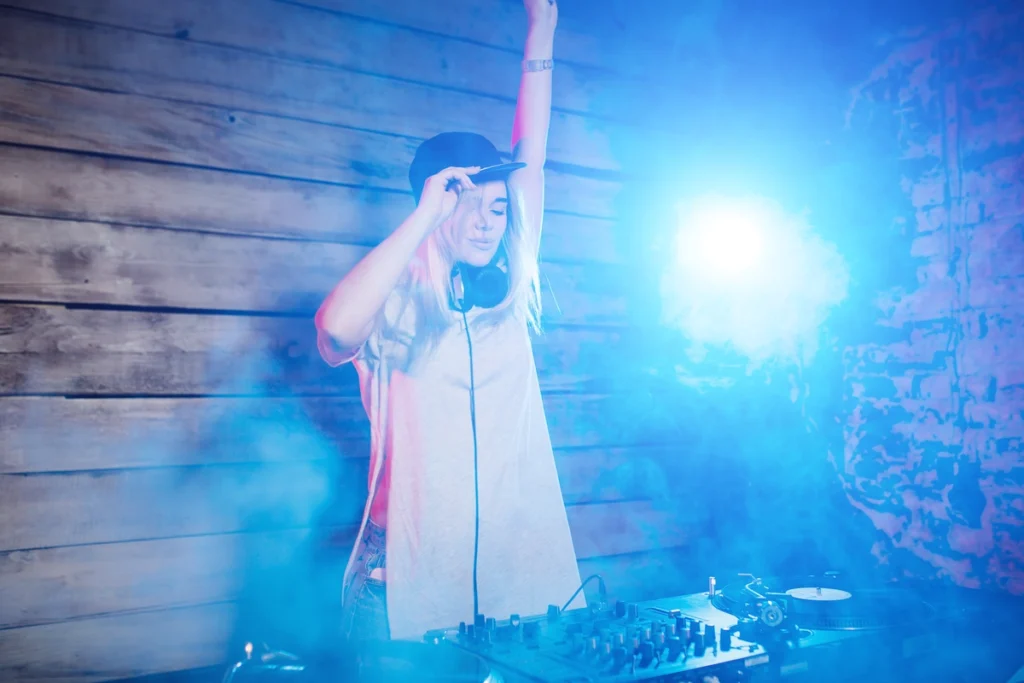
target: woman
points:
(464, 501)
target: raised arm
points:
(533, 109)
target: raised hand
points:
(441, 192)
(541, 13)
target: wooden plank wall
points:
(180, 183)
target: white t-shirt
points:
(419, 412)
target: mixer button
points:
(646, 653)
(675, 648)
(725, 639)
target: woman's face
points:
(478, 223)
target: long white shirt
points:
(419, 412)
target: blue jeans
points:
(365, 608)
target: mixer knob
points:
(479, 621)
(694, 629)
(492, 624)
(632, 611)
(646, 653)
(725, 640)
(620, 609)
(462, 628)
(619, 656)
(675, 648)
(680, 627)
(553, 612)
(531, 631)
(709, 636)
(699, 645)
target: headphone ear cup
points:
(490, 286)
(485, 286)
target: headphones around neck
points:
(482, 286)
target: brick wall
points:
(934, 391)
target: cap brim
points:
(496, 172)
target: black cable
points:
(600, 589)
(476, 469)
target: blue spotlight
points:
(749, 276)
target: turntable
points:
(773, 609)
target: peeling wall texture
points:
(935, 392)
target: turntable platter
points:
(819, 594)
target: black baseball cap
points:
(458, 149)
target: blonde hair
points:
(428, 287)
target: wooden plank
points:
(53, 184)
(54, 434)
(294, 32)
(55, 350)
(645, 576)
(51, 510)
(118, 646)
(120, 60)
(76, 508)
(72, 118)
(97, 263)
(617, 528)
(56, 584)
(499, 24)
